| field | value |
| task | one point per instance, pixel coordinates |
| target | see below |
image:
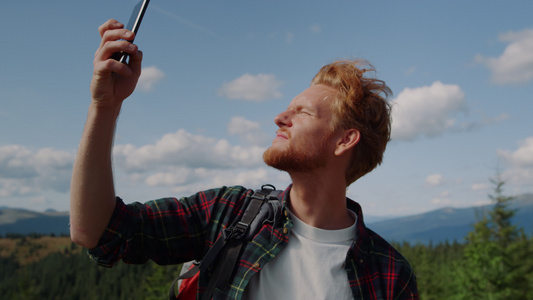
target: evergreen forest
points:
(494, 262)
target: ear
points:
(347, 141)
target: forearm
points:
(92, 199)
(92, 190)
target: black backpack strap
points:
(231, 241)
(235, 241)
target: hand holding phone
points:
(133, 25)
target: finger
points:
(116, 34)
(109, 48)
(109, 24)
(110, 66)
(135, 62)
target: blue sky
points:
(217, 72)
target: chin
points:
(285, 160)
(274, 158)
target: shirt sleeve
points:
(168, 230)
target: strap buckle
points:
(238, 231)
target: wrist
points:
(107, 110)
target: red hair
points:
(361, 104)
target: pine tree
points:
(157, 284)
(493, 265)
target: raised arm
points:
(92, 198)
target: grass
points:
(31, 249)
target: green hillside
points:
(33, 267)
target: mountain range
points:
(449, 224)
(22, 221)
(438, 226)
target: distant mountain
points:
(451, 224)
(448, 224)
(22, 221)
(369, 219)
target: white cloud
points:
(426, 110)
(150, 76)
(179, 162)
(248, 131)
(519, 178)
(434, 180)
(187, 181)
(183, 163)
(27, 173)
(173, 177)
(15, 187)
(442, 199)
(520, 173)
(252, 178)
(520, 161)
(186, 150)
(522, 157)
(14, 162)
(515, 64)
(215, 178)
(240, 125)
(255, 88)
(479, 186)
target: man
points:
(330, 135)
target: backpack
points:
(264, 206)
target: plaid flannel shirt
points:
(172, 231)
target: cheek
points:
(312, 141)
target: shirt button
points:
(286, 213)
(256, 265)
(285, 230)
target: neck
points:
(319, 200)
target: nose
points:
(283, 119)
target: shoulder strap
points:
(235, 241)
(231, 241)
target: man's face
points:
(305, 138)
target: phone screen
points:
(133, 24)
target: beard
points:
(297, 158)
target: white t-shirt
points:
(310, 267)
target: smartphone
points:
(133, 24)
